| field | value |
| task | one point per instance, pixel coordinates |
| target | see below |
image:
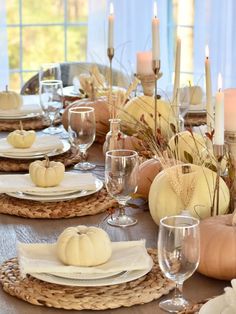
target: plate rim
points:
(133, 275)
(66, 148)
(23, 116)
(78, 194)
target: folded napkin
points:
(23, 183)
(42, 258)
(30, 105)
(42, 144)
(230, 299)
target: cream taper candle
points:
(219, 114)
(111, 27)
(155, 35)
(177, 71)
(209, 107)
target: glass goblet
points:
(82, 132)
(51, 102)
(49, 71)
(178, 255)
(121, 179)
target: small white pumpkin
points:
(45, 173)
(143, 106)
(10, 100)
(83, 246)
(164, 201)
(21, 138)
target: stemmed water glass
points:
(49, 71)
(178, 255)
(121, 179)
(51, 102)
(82, 132)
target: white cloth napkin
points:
(30, 105)
(42, 258)
(230, 298)
(23, 183)
(42, 144)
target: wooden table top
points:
(12, 228)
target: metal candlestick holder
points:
(156, 65)
(219, 152)
(230, 140)
(110, 54)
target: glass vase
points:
(115, 138)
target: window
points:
(44, 31)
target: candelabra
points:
(110, 54)
(156, 65)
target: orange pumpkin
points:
(218, 247)
(147, 173)
(102, 115)
(133, 143)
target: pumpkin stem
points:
(47, 164)
(234, 218)
(21, 126)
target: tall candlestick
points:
(111, 27)
(177, 72)
(155, 35)
(209, 107)
(219, 114)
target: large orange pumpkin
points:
(102, 115)
(218, 247)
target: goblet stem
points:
(178, 293)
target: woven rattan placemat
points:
(69, 159)
(37, 123)
(143, 290)
(87, 205)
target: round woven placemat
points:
(69, 159)
(87, 205)
(143, 290)
(37, 123)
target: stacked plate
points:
(93, 280)
(55, 196)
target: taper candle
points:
(155, 35)
(219, 114)
(177, 71)
(209, 107)
(111, 27)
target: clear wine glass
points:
(82, 132)
(178, 255)
(51, 102)
(49, 71)
(121, 179)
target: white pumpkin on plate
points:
(21, 138)
(84, 246)
(10, 100)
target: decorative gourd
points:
(83, 246)
(164, 201)
(10, 100)
(45, 173)
(187, 147)
(21, 138)
(218, 247)
(143, 106)
(147, 172)
(133, 143)
(102, 115)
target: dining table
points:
(13, 229)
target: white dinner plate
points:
(20, 116)
(39, 154)
(80, 276)
(214, 306)
(59, 197)
(113, 280)
(50, 193)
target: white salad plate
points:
(58, 196)
(214, 306)
(38, 154)
(119, 278)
